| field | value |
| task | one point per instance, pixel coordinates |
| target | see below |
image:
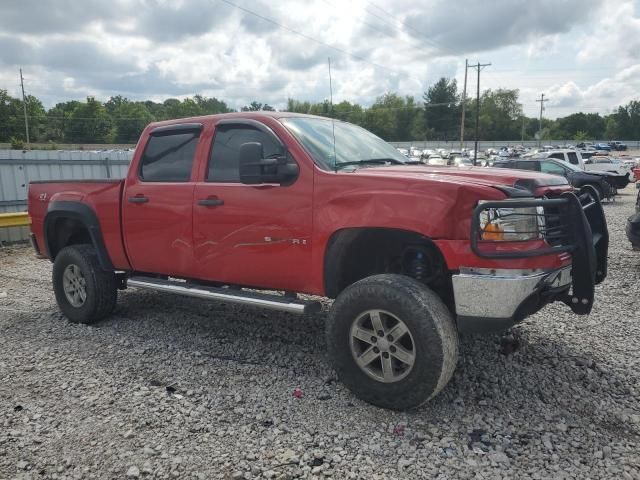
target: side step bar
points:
(273, 302)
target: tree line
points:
(394, 117)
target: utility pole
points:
(479, 66)
(541, 100)
(330, 86)
(24, 104)
(464, 101)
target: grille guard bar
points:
(584, 228)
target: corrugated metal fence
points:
(18, 168)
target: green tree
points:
(500, 113)
(257, 106)
(129, 118)
(89, 123)
(394, 118)
(297, 106)
(58, 119)
(592, 124)
(613, 129)
(581, 136)
(210, 106)
(12, 117)
(442, 109)
(627, 119)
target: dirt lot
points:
(176, 388)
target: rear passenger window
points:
(526, 165)
(224, 165)
(169, 157)
(573, 157)
(559, 156)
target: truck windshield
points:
(354, 146)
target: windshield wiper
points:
(371, 161)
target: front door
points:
(252, 235)
(158, 204)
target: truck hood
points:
(500, 178)
(602, 173)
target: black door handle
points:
(138, 199)
(211, 202)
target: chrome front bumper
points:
(499, 294)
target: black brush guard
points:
(573, 223)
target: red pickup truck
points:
(232, 206)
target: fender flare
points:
(84, 214)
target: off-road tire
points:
(430, 324)
(100, 286)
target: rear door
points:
(158, 202)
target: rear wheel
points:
(392, 341)
(85, 293)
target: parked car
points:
(618, 146)
(577, 177)
(603, 147)
(627, 161)
(619, 177)
(436, 160)
(601, 163)
(226, 207)
(459, 161)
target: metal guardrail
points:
(14, 219)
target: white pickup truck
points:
(604, 163)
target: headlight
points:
(512, 224)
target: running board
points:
(274, 302)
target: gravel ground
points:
(179, 388)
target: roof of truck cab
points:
(257, 115)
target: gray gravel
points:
(176, 388)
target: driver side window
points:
(224, 162)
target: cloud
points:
(617, 38)
(65, 55)
(619, 89)
(471, 26)
(171, 20)
(55, 16)
(158, 48)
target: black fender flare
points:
(84, 214)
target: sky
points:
(584, 55)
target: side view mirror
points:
(255, 169)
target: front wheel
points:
(392, 341)
(85, 293)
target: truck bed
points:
(101, 196)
